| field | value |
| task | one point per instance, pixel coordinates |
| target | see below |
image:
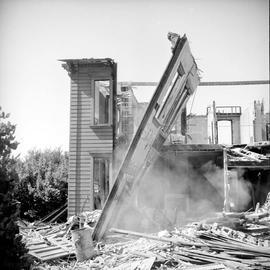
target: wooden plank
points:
(84, 194)
(83, 137)
(93, 141)
(85, 124)
(178, 82)
(73, 162)
(81, 111)
(84, 155)
(81, 176)
(84, 103)
(226, 181)
(83, 94)
(254, 82)
(86, 188)
(87, 143)
(58, 249)
(100, 151)
(84, 185)
(74, 175)
(156, 238)
(74, 121)
(93, 146)
(92, 130)
(144, 264)
(84, 170)
(90, 144)
(85, 134)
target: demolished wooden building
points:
(95, 131)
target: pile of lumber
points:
(47, 241)
(206, 244)
(246, 155)
(200, 245)
(227, 241)
(50, 241)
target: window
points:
(102, 102)
(101, 181)
(225, 132)
(164, 100)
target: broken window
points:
(102, 102)
(101, 181)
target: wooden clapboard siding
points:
(86, 140)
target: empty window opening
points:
(225, 132)
(102, 102)
(101, 181)
(164, 100)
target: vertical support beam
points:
(232, 132)
(215, 123)
(114, 102)
(178, 82)
(226, 181)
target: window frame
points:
(110, 109)
(107, 181)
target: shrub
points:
(12, 250)
(42, 185)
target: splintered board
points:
(178, 82)
(145, 264)
(52, 249)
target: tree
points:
(42, 185)
(12, 250)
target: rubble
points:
(227, 241)
(49, 241)
(243, 154)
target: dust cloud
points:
(171, 193)
(240, 191)
(176, 191)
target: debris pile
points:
(256, 155)
(47, 241)
(228, 241)
(242, 154)
(87, 218)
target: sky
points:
(229, 41)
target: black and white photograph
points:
(134, 135)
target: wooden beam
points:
(217, 83)
(156, 238)
(226, 83)
(226, 181)
(178, 82)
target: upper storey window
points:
(102, 102)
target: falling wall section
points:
(88, 139)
